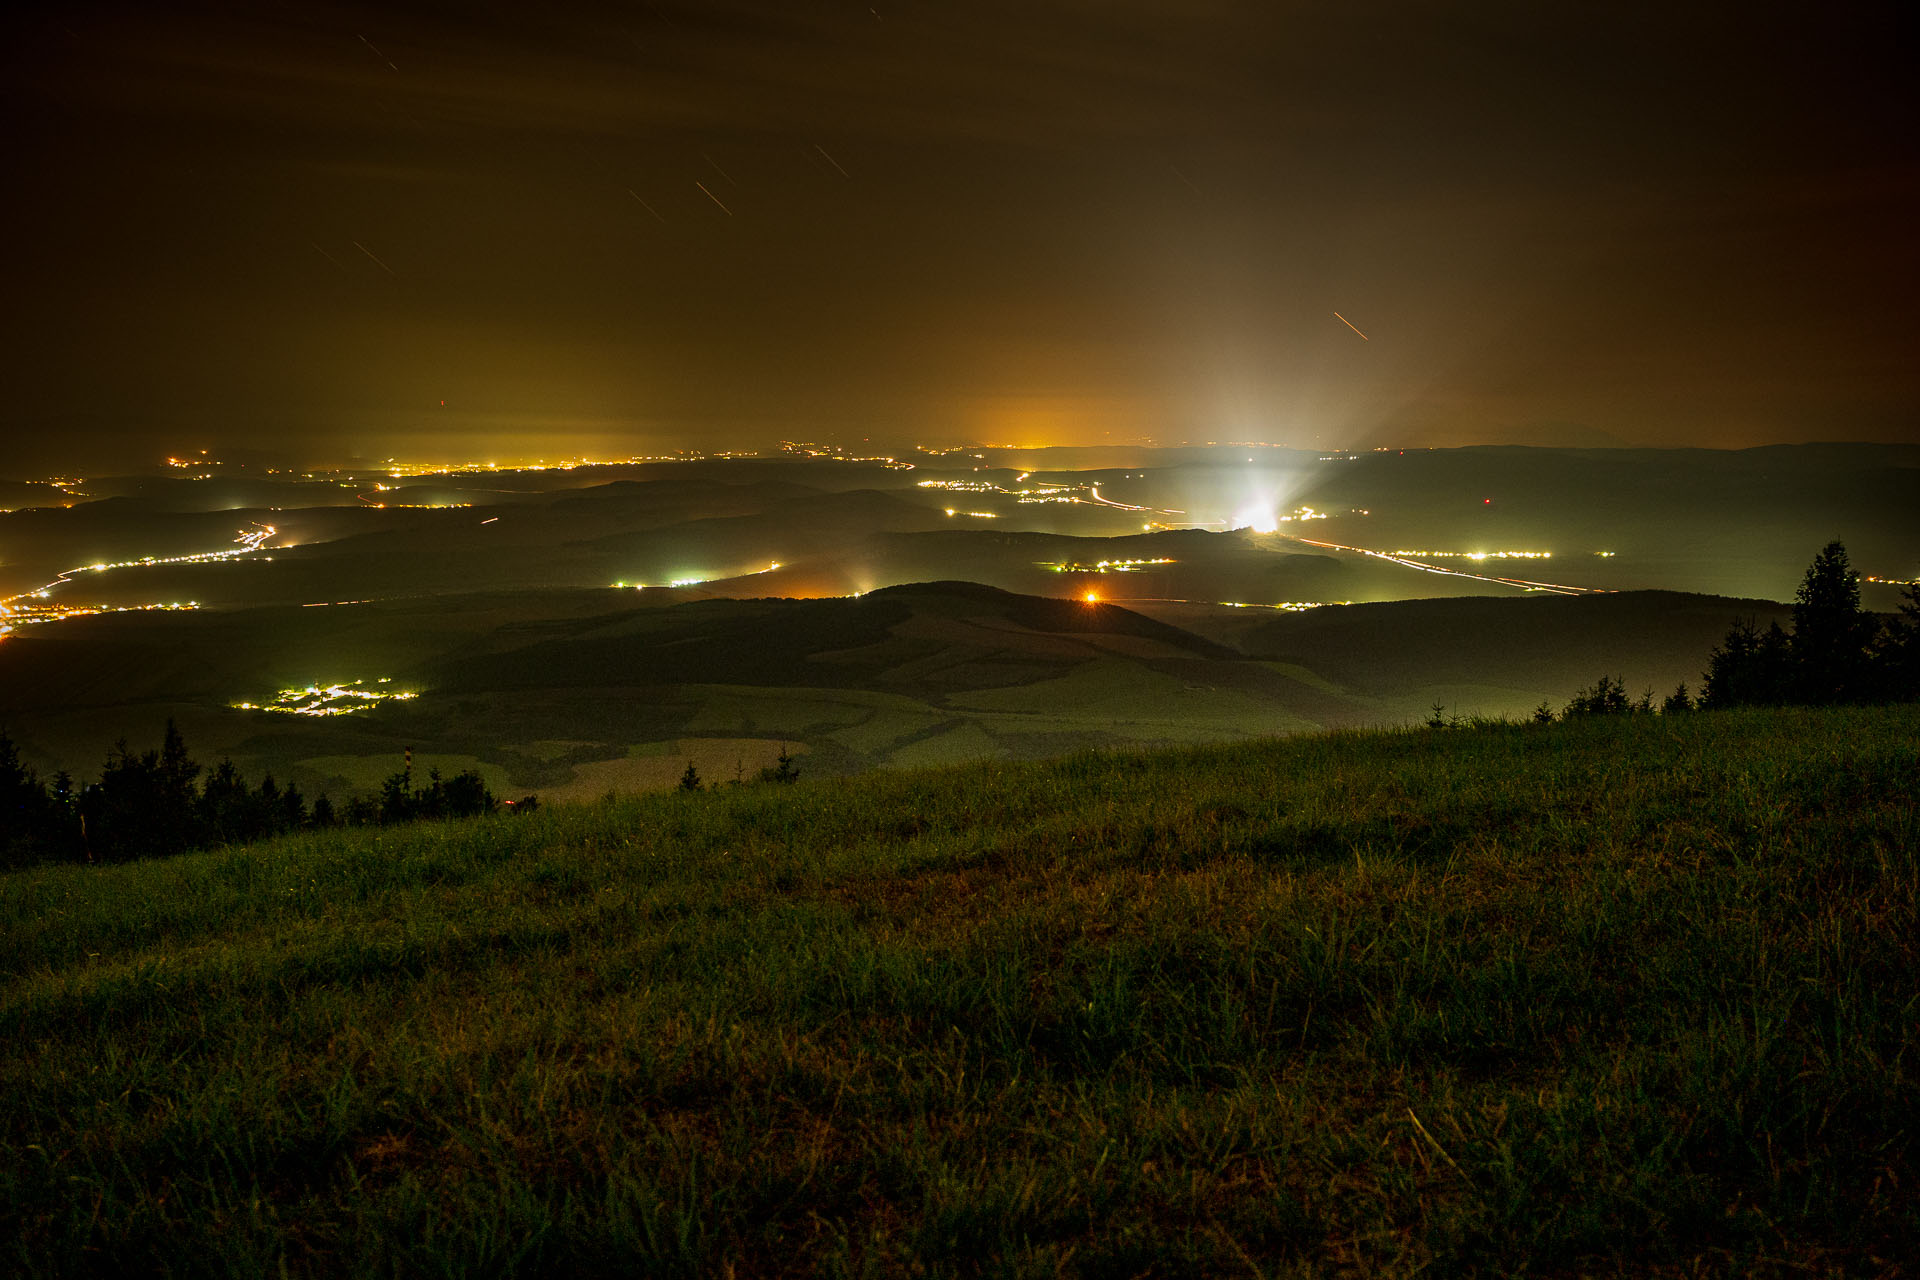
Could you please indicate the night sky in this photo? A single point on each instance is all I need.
(620, 228)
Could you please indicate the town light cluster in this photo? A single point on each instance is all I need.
(1102, 566)
(329, 700)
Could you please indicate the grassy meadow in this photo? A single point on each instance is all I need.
(1633, 995)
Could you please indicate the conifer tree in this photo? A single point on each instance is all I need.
(173, 821)
(223, 805)
(784, 771)
(292, 814)
(1832, 635)
(396, 802)
(1897, 654)
(24, 809)
(1606, 696)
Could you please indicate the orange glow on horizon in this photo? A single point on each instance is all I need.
(1044, 421)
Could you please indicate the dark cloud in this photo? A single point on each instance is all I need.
(730, 221)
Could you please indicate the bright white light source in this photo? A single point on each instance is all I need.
(1259, 519)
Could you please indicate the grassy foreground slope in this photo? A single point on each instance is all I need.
(1633, 994)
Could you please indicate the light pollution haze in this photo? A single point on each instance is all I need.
(399, 229)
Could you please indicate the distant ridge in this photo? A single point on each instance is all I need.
(782, 641)
(1647, 636)
(1052, 614)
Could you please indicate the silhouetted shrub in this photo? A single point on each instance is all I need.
(1607, 697)
(785, 771)
(465, 795)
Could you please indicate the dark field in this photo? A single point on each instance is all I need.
(1629, 995)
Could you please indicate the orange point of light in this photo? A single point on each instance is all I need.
(1093, 597)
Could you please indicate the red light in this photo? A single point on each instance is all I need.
(1486, 501)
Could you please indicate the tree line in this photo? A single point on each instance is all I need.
(1835, 654)
(156, 803)
(785, 771)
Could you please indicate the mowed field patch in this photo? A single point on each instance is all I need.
(1018, 729)
(1120, 697)
(554, 748)
(885, 727)
(1465, 700)
(1294, 671)
(958, 745)
(717, 760)
(751, 711)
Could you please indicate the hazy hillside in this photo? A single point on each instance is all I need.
(1652, 640)
(655, 534)
(928, 637)
(1178, 565)
(1730, 522)
(569, 691)
(1737, 523)
(1626, 994)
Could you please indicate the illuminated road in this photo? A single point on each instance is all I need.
(1524, 584)
(1094, 492)
(410, 506)
(13, 613)
(1061, 493)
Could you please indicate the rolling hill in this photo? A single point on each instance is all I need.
(534, 688)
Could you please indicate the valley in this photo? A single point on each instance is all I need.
(570, 631)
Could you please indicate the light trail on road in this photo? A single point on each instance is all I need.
(248, 544)
(1524, 584)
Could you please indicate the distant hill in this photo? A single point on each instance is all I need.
(537, 684)
(1171, 565)
(1654, 639)
(908, 638)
